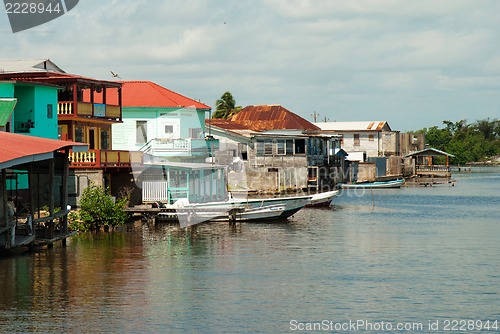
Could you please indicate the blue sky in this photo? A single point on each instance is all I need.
(411, 63)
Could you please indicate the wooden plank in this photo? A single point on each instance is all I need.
(56, 215)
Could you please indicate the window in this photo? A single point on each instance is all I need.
(141, 132)
(356, 139)
(260, 148)
(289, 147)
(300, 146)
(195, 133)
(371, 138)
(242, 150)
(79, 135)
(268, 147)
(104, 139)
(280, 144)
(49, 111)
(169, 129)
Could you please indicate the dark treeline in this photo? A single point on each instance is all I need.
(467, 142)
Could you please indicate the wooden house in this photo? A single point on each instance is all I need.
(45, 163)
(425, 169)
(279, 151)
(85, 110)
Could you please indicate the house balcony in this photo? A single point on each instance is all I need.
(189, 147)
(102, 159)
(70, 109)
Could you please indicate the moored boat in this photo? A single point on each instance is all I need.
(374, 185)
(252, 209)
(322, 199)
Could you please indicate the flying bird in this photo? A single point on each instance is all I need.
(115, 75)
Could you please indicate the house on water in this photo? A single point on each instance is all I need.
(75, 108)
(373, 147)
(168, 129)
(430, 166)
(45, 164)
(271, 149)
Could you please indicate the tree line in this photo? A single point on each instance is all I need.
(474, 142)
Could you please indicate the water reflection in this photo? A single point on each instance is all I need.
(417, 254)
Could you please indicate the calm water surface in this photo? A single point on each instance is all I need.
(398, 256)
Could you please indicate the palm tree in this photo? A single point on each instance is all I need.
(225, 107)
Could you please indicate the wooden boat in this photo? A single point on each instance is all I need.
(374, 185)
(322, 199)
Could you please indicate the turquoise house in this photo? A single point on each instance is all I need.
(29, 109)
(162, 123)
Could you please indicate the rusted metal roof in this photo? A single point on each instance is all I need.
(271, 117)
(225, 124)
(16, 149)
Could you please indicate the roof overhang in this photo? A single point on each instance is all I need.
(429, 152)
(16, 149)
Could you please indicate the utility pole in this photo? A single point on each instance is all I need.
(315, 116)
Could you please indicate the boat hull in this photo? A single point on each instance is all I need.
(323, 199)
(374, 185)
(261, 209)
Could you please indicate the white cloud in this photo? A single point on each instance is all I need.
(413, 63)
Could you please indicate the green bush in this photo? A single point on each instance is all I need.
(98, 209)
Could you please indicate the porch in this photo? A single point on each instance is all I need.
(71, 109)
(101, 159)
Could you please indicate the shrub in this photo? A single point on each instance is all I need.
(98, 209)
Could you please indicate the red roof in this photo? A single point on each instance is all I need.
(149, 94)
(271, 117)
(17, 149)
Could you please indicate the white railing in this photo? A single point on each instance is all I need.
(165, 146)
(89, 157)
(153, 191)
(65, 108)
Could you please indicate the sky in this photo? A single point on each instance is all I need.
(410, 63)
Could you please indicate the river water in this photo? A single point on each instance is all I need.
(411, 257)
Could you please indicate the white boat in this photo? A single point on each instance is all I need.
(276, 208)
(323, 199)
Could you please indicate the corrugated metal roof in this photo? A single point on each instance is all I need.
(16, 149)
(271, 117)
(149, 94)
(56, 78)
(28, 65)
(429, 152)
(354, 126)
(225, 124)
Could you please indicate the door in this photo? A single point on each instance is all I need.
(92, 140)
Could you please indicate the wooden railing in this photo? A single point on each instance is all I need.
(104, 159)
(433, 168)
(68, 108)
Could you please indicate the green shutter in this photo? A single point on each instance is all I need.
(6, 108)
